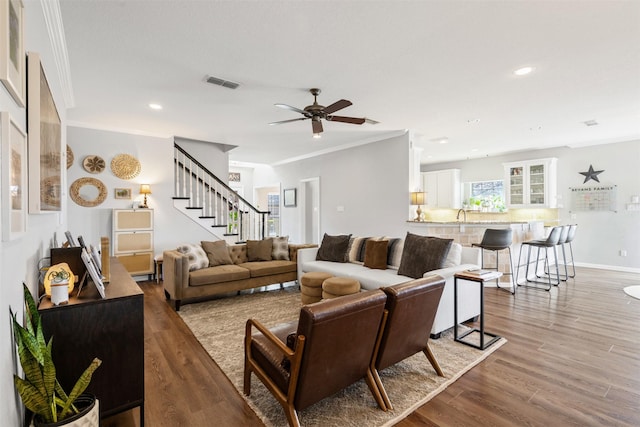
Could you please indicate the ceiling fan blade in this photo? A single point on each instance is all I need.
(352, 120)
(317, 126)
(338, 105)
(287, 121)
(371, 121)
(289, 107)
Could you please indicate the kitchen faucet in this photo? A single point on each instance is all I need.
(464, 215)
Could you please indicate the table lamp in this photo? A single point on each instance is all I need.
(145, 189)
(417, 199)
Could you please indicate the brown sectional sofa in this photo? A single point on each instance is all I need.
(183, 286)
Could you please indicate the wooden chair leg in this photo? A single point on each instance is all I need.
(432, 359)
(375, 391)
(383, 392)
(292, 415)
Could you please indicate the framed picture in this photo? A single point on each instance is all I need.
(289, 197)
(45, 142)
(122, 193)
(12, 58)
(93, 272)
(14, 178)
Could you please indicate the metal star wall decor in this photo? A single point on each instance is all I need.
(591, 174)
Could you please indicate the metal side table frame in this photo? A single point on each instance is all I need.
(459, 338)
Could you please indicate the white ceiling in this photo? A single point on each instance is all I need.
(438, 68)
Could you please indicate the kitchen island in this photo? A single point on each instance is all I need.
(468, 232)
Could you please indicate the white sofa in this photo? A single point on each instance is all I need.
(468, 292)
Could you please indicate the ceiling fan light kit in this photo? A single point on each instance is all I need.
(317, 112)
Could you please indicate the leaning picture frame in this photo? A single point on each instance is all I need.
(13, 172)
(45, 142)
(96, 278)
(12, 57)
(289, 197)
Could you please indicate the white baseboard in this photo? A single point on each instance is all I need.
(608, 267)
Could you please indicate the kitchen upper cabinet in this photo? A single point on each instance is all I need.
(532, 183)
(442, 188)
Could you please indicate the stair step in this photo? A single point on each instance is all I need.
(193, 207)
(180, 198)
(220, 225)
(230, 234)
(206, 217)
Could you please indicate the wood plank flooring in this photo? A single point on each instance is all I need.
(573, 359)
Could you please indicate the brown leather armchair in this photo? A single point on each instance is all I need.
(331, 347)
(412, 307)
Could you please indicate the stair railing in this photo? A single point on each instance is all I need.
(218, 202)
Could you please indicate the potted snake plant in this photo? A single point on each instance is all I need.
(39, 390)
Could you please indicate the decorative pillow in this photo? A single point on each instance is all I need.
(259, 250)
(217, 252)
(454, 257)
(423, 253)
(394, 253)
(334, 248)
(355, 253)
(197, 256)
(375, 254)
(280, 248)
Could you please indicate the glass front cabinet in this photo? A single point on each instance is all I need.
(531, 183)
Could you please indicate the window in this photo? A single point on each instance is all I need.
(487, 196)
(273, 206)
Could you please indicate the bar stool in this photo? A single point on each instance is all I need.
(570, 236)
(551, 242)
(497, 240)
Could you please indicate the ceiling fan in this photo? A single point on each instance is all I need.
(317, 112)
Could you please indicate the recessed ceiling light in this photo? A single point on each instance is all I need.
(474, 149)
(443, 141)
(523, 71)
(317, 135)
(473, 121)
(155, 106)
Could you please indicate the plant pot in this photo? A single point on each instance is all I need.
(89, 415)
(60, 292)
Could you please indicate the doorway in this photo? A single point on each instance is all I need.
(310, 212)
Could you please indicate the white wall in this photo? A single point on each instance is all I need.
(19, 258)
(156, 159)
(600, 235)
(371, 183)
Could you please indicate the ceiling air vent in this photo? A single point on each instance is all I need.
(222, 82)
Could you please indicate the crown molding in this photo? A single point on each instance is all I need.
(55, 28)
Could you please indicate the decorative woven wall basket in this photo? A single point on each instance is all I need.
(125, 166)
(93, 195)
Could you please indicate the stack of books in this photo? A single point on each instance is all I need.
(480, 273)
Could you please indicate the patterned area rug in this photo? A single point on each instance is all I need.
(219, 326)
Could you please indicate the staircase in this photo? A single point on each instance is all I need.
(212, 204)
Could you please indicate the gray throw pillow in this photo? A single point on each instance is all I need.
(334, 248)
(259, 250)
(423, 253)
(217, 252)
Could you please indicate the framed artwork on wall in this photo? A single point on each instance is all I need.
(289, 197)
(122, 193)
(45, 142)
(14, 178)
(12, 58)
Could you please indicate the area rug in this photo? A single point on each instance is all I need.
(219, 326)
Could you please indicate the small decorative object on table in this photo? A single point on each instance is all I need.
(58, 283)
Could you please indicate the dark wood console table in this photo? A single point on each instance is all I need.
(111, 329)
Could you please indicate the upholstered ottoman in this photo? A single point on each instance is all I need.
(338, 286)
(311, 286)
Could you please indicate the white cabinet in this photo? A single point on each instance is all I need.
(531, 184)
(133, 239)
(442, 188)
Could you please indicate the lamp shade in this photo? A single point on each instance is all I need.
(145, 189)
(417, 198)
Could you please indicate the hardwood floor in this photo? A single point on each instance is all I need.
(573, 358)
